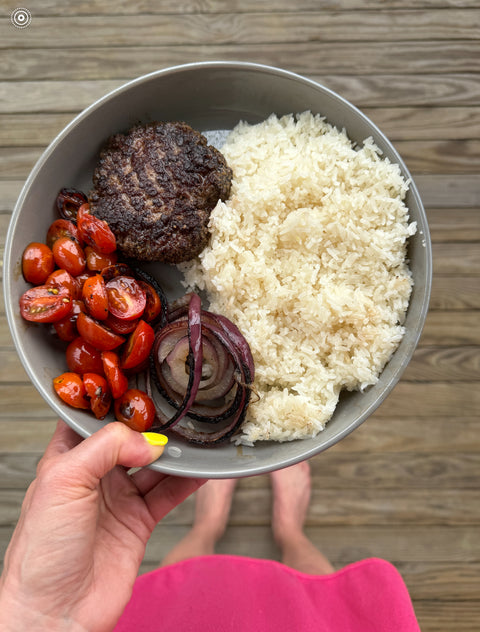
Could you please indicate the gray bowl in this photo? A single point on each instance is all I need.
(212, 97)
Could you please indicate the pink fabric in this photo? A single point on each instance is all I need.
(226, 593)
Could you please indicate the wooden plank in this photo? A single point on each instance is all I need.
(124, 7)
(9, 192)
(430, 364)
(456, 259)
(442, 581)
(246, 28)
(425, 400)
(439, 156)
(444, 616)
(459, 191)
(450, 329)
(26, 436)
(435, 435)
(427, 123)
(429, 57)
(408, 123)
(342, 543)
(332, 470)
(19, 129)
(354, 507)
(379, 90)
(454, 224)
(454, 293)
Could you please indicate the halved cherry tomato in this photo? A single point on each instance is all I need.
(138, 346)
(67, 327)
(69, 255)
(96, 334)
(135, 409)
(119, 325)
(69, 201)
(95, 296)
(153, 306)
(98, 393)
(116, 270)
(61, 228)
(116, 378)
(97, 261)
(82, 357)
(81, 278)
(126, 299)
(70, 388)
(94, 231)
(62, 278)
(44, 304)
(37, 263)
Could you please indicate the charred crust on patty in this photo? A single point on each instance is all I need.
(156, 186)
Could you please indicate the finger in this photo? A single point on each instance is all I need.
(114, 444)
(63, 439)
(146, 479)
(169, 493)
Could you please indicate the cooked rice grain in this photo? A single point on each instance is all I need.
(307, 257)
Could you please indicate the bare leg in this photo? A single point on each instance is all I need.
(212, 508)
(291, 498)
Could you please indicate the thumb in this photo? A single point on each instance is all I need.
(114, 444)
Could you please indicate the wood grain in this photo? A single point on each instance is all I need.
(404, 485)
(247, 28)
(427, 57)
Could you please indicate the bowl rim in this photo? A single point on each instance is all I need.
(231, 65)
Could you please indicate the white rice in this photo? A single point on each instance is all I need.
(307, 257)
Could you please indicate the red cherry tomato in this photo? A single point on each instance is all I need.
(61, 228)
(116, 379)
(82, 357)
(96, 334)
(95, 232)
(68, 202)
(44, 304)
(97, 261)
(98, 393)
(70, 388)
(37, 263)
(120, 326)
(67, 327)
(95, 296)
(153, 306)
(135, 409)
(62, 278)
(69, 255)
(138, 346)
(126, 299)
(116, 270)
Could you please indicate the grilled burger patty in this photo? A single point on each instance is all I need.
(156, 186)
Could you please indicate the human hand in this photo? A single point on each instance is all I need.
(82, 532)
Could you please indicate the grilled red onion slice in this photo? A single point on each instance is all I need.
(202, 365)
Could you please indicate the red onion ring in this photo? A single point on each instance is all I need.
(222, 396)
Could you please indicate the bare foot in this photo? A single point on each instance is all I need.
(212, 508)
(292, 488)
(212, 505)
(291, 498)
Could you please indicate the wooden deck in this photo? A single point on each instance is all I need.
(405, 486)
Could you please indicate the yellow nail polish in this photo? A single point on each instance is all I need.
(155, 438)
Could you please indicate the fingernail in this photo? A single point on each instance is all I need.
(155, 438)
